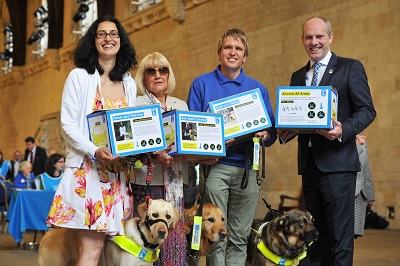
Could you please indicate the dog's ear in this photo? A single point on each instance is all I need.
(175, 218)
(282, 221)
(189, 219)
(142, 209)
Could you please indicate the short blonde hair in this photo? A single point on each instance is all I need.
(237, 34)
(22, 166)
(154, 60)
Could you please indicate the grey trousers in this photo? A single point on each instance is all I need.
(238, 205)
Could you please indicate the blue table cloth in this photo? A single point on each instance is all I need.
(28, 209)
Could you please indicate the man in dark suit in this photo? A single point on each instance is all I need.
(15, 164)
(36, 155)
(328, 161)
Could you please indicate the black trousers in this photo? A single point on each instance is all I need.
(329, 197)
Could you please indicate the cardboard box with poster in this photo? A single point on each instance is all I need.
(303, 109)
(128, 131)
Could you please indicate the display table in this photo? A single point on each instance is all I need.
(28, 209)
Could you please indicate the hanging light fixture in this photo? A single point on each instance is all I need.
(6, 56)
(41, 28)
(80, 17)
(35, 37)
(81, 14)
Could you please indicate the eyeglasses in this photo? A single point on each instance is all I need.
(161, 70)
(101, 34)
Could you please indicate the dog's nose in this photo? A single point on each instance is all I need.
(316, 235)
(161, 233)
(222, 234)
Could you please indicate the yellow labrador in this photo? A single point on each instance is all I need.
(58, 247)
(146, 233)
(149, 232)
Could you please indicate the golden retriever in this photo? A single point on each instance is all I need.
(60, 246)
(212, 228)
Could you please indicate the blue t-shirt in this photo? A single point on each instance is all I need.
(213, 86)
(47, 182)
(4, 168)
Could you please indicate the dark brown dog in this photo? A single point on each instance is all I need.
(286, 236)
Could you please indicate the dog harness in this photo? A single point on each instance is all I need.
(272, 256)
(135, 249)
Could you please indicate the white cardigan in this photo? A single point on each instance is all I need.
(77, 102)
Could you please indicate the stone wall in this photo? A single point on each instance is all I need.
(363, 29)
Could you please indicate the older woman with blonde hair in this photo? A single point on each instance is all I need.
(155, 80)
(25, 177)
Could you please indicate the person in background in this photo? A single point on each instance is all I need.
(36, 155)
(15, 163)
(50, 179)
(122, 131)
(328, 161)
(94, 196)
(25, 177)
(223, 186)
(364, 187)
(186, 132)
(155, 81)
(5, 169)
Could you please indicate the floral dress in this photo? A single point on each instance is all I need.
(173, 250)
(94, 196)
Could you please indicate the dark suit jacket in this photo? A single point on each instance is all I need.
(40, 160)
(355, 112)
(10, 174)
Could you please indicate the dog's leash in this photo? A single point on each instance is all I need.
(194, 238)
(245, 178)
(256, 166)
(148, 180)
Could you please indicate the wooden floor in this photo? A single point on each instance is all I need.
(376, 248)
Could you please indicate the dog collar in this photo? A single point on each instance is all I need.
(135, 249)
(277, 259)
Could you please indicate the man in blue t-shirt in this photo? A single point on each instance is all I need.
(223, 185)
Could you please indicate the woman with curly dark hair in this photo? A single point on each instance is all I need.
(94, 195)
(87, 55)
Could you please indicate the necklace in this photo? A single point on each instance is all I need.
(152, 97)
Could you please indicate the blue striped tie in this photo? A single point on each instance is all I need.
(314, 83)
(315, 75)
